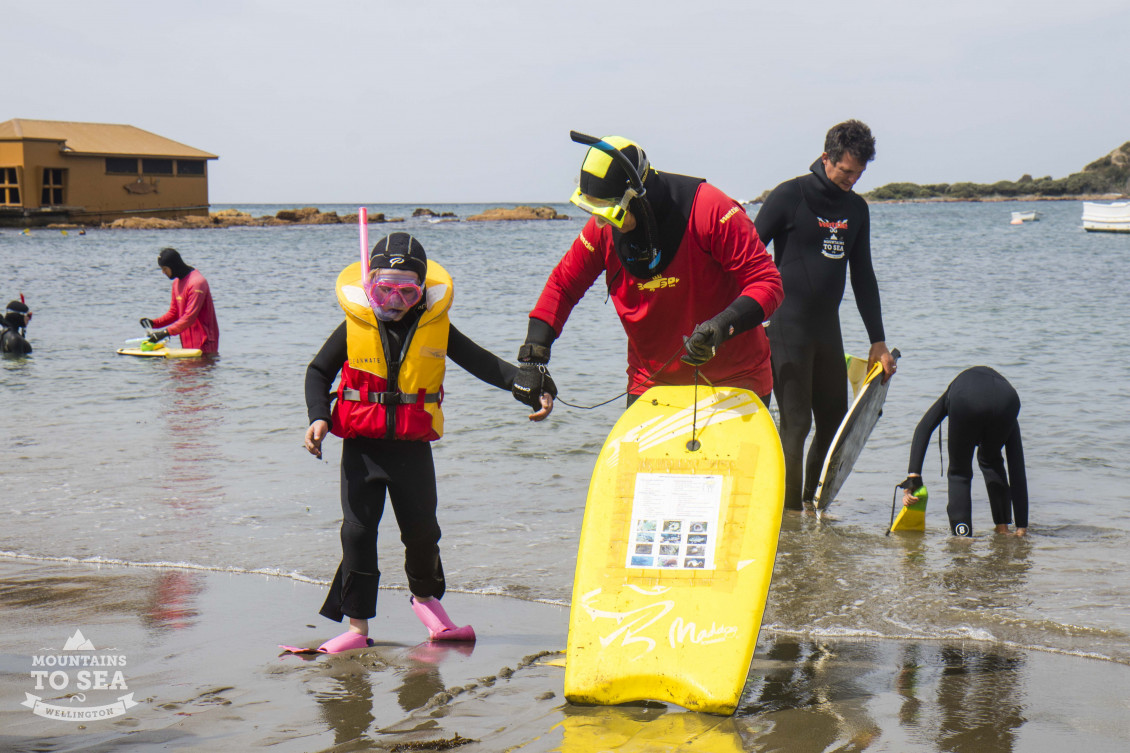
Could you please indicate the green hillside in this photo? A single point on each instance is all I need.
(1108, 175)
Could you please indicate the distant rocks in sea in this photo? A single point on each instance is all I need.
(314, 216)
(430, 214)
(518, 213)
(237, 218)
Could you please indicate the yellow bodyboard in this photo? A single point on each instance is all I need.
(677, 551)
(856, 373)
(162, 352)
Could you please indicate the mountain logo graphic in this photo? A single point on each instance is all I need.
(78, 642)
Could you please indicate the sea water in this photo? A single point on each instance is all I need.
(107, 458)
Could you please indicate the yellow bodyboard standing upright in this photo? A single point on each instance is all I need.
(677, 551)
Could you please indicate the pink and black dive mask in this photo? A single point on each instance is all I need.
(397, 258)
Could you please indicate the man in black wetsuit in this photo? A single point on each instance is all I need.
(820, 229)
(982, 407)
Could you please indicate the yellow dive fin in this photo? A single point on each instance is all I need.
(913, 517)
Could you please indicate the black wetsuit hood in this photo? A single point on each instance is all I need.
(170, 257)
(823, 196)
(670, 198)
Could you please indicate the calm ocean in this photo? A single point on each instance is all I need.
(147, 461)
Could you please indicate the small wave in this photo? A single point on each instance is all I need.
(265, 571)
(164, 565)
(964, 634)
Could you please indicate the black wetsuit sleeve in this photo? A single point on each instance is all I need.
(864, 284)
(773, 217)
(539, 332)
(1017, 478)
(743, 314)
(924, 430)
(320, 375)
(478, 361)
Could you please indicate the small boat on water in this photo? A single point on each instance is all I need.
(1110, 218)
(1019, 218)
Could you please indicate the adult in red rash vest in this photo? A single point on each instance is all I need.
(191, 313)
(690, 279)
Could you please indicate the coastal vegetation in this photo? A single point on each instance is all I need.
(1105, 177)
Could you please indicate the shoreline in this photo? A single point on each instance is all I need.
(306, 216)
(1002, 199)
(227, 218)
(200, 671)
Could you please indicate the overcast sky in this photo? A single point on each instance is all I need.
(446, 101)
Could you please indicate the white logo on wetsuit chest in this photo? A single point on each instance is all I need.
(833, 246)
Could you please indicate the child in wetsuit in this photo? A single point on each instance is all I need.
(391, 353)
(982, 407)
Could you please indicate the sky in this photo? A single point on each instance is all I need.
(444, 101)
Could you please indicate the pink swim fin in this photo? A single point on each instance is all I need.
(439, 625)
(347, 641)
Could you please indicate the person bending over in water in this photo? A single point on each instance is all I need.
(982, 407)
(191, 313)
(391, 352)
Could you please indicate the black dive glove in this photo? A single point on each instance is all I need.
(146, 322)
(704, 340)
(912, 484)
(158, 336)
(533, 377)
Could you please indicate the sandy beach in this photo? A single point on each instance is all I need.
(203, 672)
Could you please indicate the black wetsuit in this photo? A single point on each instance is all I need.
(403, 469)
(13, 341)
(982, 407)
(819, 232)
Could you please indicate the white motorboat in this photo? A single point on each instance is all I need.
(1110, 218)
(1019, 218)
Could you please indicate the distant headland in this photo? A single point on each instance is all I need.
(1106, 178)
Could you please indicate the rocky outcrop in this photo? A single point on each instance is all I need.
(236, 218)
(425, 212)
(518, 213)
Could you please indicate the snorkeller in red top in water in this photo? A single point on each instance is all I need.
(191, 313)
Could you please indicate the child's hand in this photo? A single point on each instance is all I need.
(546, 401)
(314, 436)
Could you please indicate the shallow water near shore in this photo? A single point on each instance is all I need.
(199, 465)
(204, 674)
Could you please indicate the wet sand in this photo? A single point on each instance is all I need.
(205, 673)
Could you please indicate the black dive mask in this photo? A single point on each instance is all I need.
(638, 250)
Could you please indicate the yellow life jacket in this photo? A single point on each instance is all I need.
(406, 404)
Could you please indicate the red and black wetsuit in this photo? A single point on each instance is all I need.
(711, 259)
(982, 407)
(819, 233)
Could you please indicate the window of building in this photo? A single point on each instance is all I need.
(9, 186)
(190, 167)
(151, 166)
(121, 165)
(54, 179)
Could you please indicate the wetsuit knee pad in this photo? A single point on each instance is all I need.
(356, 537)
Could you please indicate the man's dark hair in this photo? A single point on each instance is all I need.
(851, 136)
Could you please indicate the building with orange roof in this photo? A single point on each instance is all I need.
(56, 172)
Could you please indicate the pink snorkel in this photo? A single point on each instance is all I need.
(363, 221)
